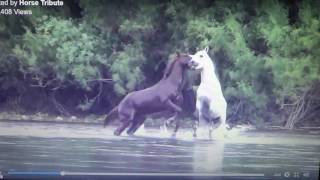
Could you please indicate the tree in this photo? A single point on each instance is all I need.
(94, 53)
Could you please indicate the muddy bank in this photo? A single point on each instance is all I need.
(89, 119)
(43, 117)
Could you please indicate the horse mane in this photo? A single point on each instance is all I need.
(169, 68)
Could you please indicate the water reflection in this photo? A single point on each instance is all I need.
(59, 147)
(208, 157)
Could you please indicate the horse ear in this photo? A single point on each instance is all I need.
(206, 49)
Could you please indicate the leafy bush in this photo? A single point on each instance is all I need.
(61, 53)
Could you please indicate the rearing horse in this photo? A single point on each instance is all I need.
(211, 104)
(160, 97)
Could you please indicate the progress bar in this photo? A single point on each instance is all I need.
(39, 173)
(163, 174)
(68, 173)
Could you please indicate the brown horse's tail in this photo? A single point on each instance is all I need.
(110, 116)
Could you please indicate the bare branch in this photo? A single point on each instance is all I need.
(102, 80)
(58, 106)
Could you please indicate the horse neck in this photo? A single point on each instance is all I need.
(176, 75)
(208, 76)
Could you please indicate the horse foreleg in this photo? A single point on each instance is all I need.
(173, 106)
(176, 128)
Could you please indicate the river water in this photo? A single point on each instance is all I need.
(75, 148)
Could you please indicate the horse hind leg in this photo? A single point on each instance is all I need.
(119, 130)
(138, 121)
(212, 125)
(179, 101)
(125, 122)
(219, 130)
(202, 111)
(169, 121)
(176, 127)
(202, 121)
(195, 127)
(222, 122)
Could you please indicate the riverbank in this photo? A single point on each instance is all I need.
(98, 119)
(89, 119)
(43, 117)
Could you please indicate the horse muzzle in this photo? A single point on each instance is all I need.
(193, 64)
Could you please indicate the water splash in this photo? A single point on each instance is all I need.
(241, 134)
(187, 134)
(141, 130)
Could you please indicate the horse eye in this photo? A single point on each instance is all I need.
(201, 56)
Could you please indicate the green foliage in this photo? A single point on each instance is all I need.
(126, 70)
(10, 76)
(293, 55)
(61, 52)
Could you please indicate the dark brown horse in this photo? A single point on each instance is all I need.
(163, 96)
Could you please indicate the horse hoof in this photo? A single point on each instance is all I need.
(173, 135)
(116, 133)
(130, 133)
(194, 135)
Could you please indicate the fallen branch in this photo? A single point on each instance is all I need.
(304, 106)
(58, 106)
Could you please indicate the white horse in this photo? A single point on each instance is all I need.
(211, 104)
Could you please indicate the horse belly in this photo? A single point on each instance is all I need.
(151, 108)
(217, 106)
(148, 104)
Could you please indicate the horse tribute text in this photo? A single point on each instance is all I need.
(24, 7)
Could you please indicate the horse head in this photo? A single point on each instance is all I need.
(200, 59)
(181, 60)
